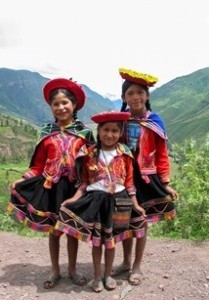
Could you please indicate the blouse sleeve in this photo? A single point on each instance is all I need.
(162, 160)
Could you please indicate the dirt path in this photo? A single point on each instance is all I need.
(173, 270)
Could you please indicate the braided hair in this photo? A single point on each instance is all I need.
(126, 84)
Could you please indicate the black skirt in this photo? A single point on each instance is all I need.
(38, 207)
(90, 219)
(153, 197)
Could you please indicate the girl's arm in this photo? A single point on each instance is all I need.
(137, 206)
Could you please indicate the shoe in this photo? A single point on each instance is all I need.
(51, 282)
(135, 278)
(78, 279)
(110, 283)
(96, 285)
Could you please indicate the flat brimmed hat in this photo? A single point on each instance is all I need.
(64, 83)
(110, 116)
(138, 78)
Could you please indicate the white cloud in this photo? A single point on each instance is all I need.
(90, 40)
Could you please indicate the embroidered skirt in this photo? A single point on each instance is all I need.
(38, 207)
(153, 197)
(90, 219)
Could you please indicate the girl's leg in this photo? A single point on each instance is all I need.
(97, 284)
(109, 282)
(72, 250)
(97, 259)
(139, 251)
(54, 246)
(125, 266)
(109, 258)
(127, 253)
(136, 274)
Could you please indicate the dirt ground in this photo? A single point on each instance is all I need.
(172, 270)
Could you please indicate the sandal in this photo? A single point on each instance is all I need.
(51, 282)
(135, 278)
(96, 285)
(110, 283)
(120, 270)
(78, 279)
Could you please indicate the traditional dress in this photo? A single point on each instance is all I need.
(52, 176)
(147, 139)
(104, 177)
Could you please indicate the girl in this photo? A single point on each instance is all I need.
(51, 178)
(146, 137)
(106, 176)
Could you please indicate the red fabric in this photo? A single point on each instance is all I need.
(55, 155)
(121, 169)
(153, 157)
(111, 116)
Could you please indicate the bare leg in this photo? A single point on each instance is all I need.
(127, 253)
(72, 250)
(54, 246)
(97, 259)
(136, 275)
(109, 282)
(109, 258)
(139, 251)
(125, 266)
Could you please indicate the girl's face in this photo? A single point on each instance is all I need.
(109, 134)
(62, 109)
(136, 98)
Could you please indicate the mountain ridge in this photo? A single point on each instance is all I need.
(183, 103)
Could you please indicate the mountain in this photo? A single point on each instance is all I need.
(21, 95)
(183, 103)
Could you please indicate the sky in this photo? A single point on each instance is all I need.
(89, 40)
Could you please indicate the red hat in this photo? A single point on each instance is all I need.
(63, 83)
(138, 78)
(110, 116)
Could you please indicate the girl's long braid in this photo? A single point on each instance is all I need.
(123, 107)
(98, 147)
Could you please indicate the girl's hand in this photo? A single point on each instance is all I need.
(172, 192)
(16, 182)
(137, 206)
(69, 201)
(139, 209)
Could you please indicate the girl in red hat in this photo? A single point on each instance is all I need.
(107, 175)
(146, 137)
(51, 178)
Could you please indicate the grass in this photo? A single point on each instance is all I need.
(8, 174)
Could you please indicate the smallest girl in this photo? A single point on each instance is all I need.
(107, 174)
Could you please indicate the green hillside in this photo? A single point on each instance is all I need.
(183, 103)
(17, 139)
(21, 96)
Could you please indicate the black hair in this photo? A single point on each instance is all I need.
(126, 84)
(68, 94)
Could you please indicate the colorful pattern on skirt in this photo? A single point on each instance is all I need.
(37, 207)
(89, 219)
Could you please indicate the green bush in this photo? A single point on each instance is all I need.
(192, 184)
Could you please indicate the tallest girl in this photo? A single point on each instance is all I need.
(146, 137)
